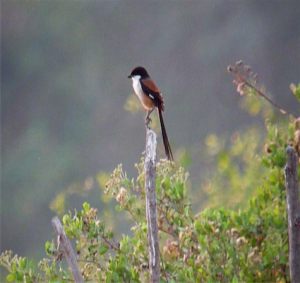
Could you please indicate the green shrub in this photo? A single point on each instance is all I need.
(235, 241)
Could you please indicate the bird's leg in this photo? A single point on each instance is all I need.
(147, 118)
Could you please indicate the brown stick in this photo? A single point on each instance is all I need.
(293, 210)
(151, 213)
(259, 92)
(67, 250)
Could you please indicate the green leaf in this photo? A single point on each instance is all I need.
(11, 277)
(49, 248)
(86, 207)
(295, 90)
(23, 263)
(66, 219)
(103, 249)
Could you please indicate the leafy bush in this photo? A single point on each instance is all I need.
(218, 244)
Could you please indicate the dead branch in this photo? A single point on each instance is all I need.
(151, 212)
(293, 210)
(245, 78)
(65, 247)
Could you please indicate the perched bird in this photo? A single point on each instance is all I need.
(150, 97)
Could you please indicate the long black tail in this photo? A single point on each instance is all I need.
(165, 137)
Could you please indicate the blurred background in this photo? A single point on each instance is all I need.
(64, 85)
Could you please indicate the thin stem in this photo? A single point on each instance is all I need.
(110, 244)
(259, 92)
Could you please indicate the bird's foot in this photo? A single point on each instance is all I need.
(148, 120)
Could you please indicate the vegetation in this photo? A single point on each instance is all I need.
(247, 243)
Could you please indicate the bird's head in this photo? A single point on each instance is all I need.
(139, 72)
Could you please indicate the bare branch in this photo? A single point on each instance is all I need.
(111, 244)
(151, 213)
(259, 92)
(244, 78)
(293, 210)
(65, 246)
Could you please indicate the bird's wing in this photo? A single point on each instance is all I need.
(150, 89)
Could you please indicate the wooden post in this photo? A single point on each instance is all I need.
(151, 213)
(293, 210)
(67, 250)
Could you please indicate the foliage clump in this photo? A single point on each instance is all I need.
(218, 244)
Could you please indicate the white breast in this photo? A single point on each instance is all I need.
(137, 87)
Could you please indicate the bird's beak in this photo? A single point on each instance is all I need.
(129, 77)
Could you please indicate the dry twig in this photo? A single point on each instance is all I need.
(293, 211)
(65, 246)
(151, 212)
(245, 78)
